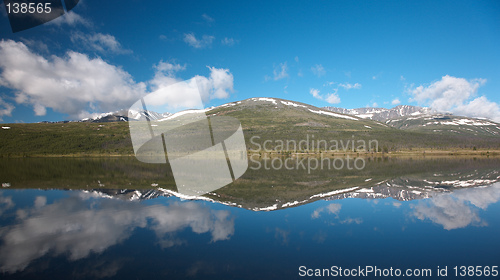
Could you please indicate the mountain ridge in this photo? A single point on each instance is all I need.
(383, 114)
(262, 119)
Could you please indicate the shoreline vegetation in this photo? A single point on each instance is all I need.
(112, 139)
(263, 155)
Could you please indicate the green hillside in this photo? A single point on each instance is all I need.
(268, 119)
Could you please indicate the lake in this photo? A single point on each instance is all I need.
(117, 218)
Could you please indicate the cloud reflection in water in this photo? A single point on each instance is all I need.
(458, 209)
(80, 225)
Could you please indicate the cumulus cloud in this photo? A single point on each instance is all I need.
(456, 210)
(205, 41)
(91, 226)
(331, 98)
(456, 95)
(5, 108)
(395, 101)
(81, 86)
(103, 43)
(318, 70)
(218, 85)
(72, 84)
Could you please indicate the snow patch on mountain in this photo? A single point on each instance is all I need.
(333, 114)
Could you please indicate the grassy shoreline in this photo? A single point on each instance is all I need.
(113, 140)
(423, 153)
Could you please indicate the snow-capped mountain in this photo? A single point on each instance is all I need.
(383, 114)
(143, 115)
(125, 115)
(449, 124)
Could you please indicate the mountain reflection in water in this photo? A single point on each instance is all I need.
(274, 221)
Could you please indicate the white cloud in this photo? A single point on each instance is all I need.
(5, 108)
(218, 85)
(280, 71)
(349, 86)
(205, 41)
(331, 98)
(296, 59)
(207, 18)
(456, 95)
(91, 226)
(318, 70)
(168, 69)
(395, 101)
(315, 93)
(71, 84)
(39, 109)
(374, 104)
(402, 78)
(228, 41)
(70, 18)
(103, 43)
(80, 86)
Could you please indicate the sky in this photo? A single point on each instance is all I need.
(103, 57)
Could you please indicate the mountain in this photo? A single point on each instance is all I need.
(446, 124)
(123, 115)
(383, 114)
(262, 118)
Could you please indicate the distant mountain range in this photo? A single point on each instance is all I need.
(408, 117)
(405, 117)
(408, 128)
(383, 114)
(123, 115)
(377, 114)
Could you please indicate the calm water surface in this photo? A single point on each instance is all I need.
(87, 219)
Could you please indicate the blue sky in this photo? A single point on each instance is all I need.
(350, 54)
